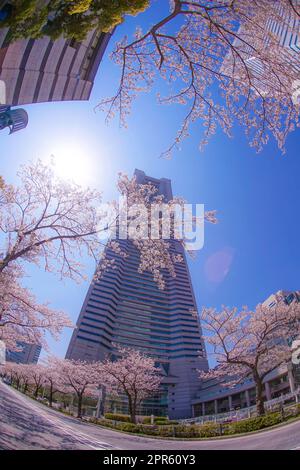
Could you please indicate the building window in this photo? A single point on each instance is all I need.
(75, 44)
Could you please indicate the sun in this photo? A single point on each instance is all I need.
(71, 161)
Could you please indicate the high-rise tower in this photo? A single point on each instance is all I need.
(127, 308)
(28, 354)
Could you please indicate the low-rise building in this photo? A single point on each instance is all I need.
(42, 70)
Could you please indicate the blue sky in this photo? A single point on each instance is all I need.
(254, 249)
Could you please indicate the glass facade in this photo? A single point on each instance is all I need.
(29, 354)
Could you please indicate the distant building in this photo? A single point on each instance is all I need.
(126, 307)
(29, 355)
(282, 295)
(41, 70)
(13, 119)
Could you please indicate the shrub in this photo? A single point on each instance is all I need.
(148, 429)
(147, 420)
(166, 431)
(64, 411)
(103, 422)
(161, 420)
(184, 431)
(117, 417)
(208, 430)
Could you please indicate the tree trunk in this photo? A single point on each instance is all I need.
(50, 395)
(260, 407)
(36, 391)
(79, 406)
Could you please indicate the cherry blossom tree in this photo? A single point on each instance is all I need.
(48, 220)
(25, 376)
(36, 377)
(22, 318)
(52, 222)
(133, 374)
(155, 255)
(14, 372)
(249, 344)
(79, 377)
(223, 61)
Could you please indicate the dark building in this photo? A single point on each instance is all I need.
(29, 355)
(127, 308)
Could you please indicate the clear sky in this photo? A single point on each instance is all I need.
(254, 249)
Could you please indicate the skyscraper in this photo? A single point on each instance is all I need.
(29, 355)
(40, 70)
(125, 307)
(284, 31)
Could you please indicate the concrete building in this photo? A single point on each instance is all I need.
(42, 70)
(125, 307)
(214, 397)
(29, 355)
(285, 32)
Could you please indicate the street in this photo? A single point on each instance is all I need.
(26, 424)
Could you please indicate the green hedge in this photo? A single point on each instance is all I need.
(158, 422)
(208, 430)
(128, 427)
(103, 422)
(253, 424)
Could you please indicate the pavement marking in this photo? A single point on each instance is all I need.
(82, 438)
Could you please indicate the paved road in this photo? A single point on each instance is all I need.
(25, 424)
